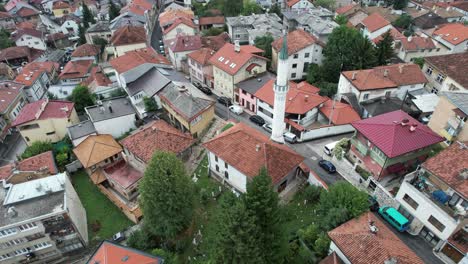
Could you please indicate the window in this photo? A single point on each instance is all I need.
(217, 168)
(429, 70)
(27, 226)
(440, 78)
(27, 127)
(410, 201)
(50, 133)
(225, 165)
(366, 96)
(294, 66)
(7, 232)
(306, 67)
(295, 56)
(226, 175)
(387, 94)
(436, 223)
(306, 55)
(293, 75)
(216, 158)
(434, 90)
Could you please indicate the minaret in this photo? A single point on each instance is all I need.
(281, 89)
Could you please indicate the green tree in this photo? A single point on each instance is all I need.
(309, 234)
(141, 240)
(118, 92)
(400, 4)
(166, 196)
(62, 159)
(212, 31)
(150, 104)
(81, 35)
(261, 202)
(114, 11)
(340, 148)
(264, 43)
(341, 19)
(88, 17)
(169, 257)
(419, 61)
(364, 53)
(327, 88)
(36, 148)
(251, 7)
(5, 41)
(81, 97)
(334, 217)
(276, 8)
(102, 43)
(384, 49)
(314, 74)
(322, 244)
(329, 4)
(404, 21)
(232, 8)
(344, 195)
(2, 8)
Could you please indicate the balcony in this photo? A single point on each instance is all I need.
(363, 149)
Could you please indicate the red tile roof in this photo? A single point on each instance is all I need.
(95, 149)
(297, 40)
(374, 22)
(112, 253)
(33, 70)
(34, 163)
(339, 113)
(26, 12)
(184, 43)
(60, 5)
(44, 109)
(8, 92)
(231, 61)
(202, 55)
(156, 136)
(345, 8)
(216, 42)
(455, 33)
(416, 43)
(56, 36)
(86, 50)
(331, 259)
(392, 138)
(138, 7)
(136, 58)
(361, 246)
(169, 16)
(98, 77)
(12, 53)
(76, 69)
(448, 166)
(4, 15)
(177, 22)
(301, 97)
(128, 35)
(26, 31)
(248, 150)
(397, 75)
(123, 173)
(463, 5)
(291, 3)
(211, 20)
(393, 32)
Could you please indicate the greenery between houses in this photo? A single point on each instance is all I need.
(364, 173)
(150, 104)
(81, 97)
(5, 40)
(227, 126)
(341, 147)
(114, 10)
(264, 43)
(36, 148)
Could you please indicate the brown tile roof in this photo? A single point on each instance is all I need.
(448, 166)
(202, 55)
(60, 5)
(235, 60)
(136, 58)
(416, 43)
(35, 163)
(26, 25)
(177, 22)
(397, 75)
(339, 113)
(459, 240)
(4, 15)
(128, 35)
(183, 43)
(297, 40)
(361, 246)
(211, 20)
(393, 32)
(96, 148)
(26, 31)
(86, 50)
(374, 22)
(463, 5)
(56, 36)
(33, 70)
(98, 77)
(43, 110)
(168, 17)
(454, 65)
(345, 9)
(76, 69)
(216, 42)
(8, 92)
(156, 136)
(12, 53)
(26, 12)
(248, 150)
(455, 33)
(331, 259)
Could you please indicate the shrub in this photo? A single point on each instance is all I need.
(226, 127)
(364, 174)
(312, 193)
(62, 159)
(36, 148)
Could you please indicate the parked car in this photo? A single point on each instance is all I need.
(328, 148)
(327, 165)
(202, 88)
(257, 120)
(236, 109)
(120, 236)
(373, 204)
(395, 218)
(268, 127)
(290, 137)
(224, 101)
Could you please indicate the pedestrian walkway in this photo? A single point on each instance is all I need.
(346, 169)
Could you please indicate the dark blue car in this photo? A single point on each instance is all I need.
(328, 166)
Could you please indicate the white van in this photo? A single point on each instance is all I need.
(290, 137)
(328, 149)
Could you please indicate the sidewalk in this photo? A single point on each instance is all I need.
(346, 169)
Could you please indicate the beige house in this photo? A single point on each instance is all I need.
(128, 38)
(180, 27)
(45, 120)
(446, 72)
(233, 64)
(450, 116)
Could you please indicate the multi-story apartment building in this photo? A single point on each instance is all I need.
(200, 70)
(42, 221)
(14, 100)
(446, 72)
(450, 38)
(239, 27)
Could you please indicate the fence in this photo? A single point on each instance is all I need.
(326, 132)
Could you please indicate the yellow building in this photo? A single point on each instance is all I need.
(60, 8)
(186, 112)
(449, 117)
(128, 38)
(45, 120)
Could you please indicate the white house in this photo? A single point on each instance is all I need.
(200, 70)
(70, 25)
(408, 48)
(180, 47)
(299, 4)
(303, 50)
(30, 38)
(374, 25)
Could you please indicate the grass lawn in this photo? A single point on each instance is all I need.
(98, 208)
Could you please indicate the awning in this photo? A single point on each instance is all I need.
(251, 67)
(294, 124)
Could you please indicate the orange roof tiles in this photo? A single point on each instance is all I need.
(448, 166)
(35, 163)
(291, 3)
(33, 70)
(43, 110)
(60, 5)
(248, 150)
(345, 8)
(301, 97)
(111, 253)
(202, 56)
(135, 58)
(230, 61)
(455, 33)
(297, 40)
(95, 149)
(339, 113)
(76, 69)
(361, 246)
(177, 22)
(128, 35)
(397, 75)
(393, 32)
(167, 17)
(416, 43)
(98, 77)
(86, 50)
(374, 22)
(211, 20)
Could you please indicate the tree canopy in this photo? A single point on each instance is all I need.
(114, 10)
(81, 35)
(5, 41)
(264, 43)
(404, 21)
(36, 148)
(400, 4)
(88, 17)
(251, 7)
(81, 97)
(384, 49)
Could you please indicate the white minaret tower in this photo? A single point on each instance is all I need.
(281, 89)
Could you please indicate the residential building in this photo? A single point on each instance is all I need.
(337, 113)
(233, 64)
(99, 30)
(249, 87)
(216, 42)
(428, 21)
(449, 117)
(140, 146)
(394, 80)
(128, 38)
(102, 158)
(45, 120)
(352, 240)
(409, 48)
(24, 12)
(180, 47)
(317, 22)
(6, 72)
(70, 24)
(303, 49)
(448, 13)
(461, 7)
(100, 84)
(114, 116)
(19, 56)
(30, 38)
(299, 4)
(47, 24)
(86, 52)
(238, 154)
(7, 21)
(58, 41)
(125, 19)
(211, 21)
(180, 26)
(60, 8)
(452, 38)
(14, 100)
(79, 132)
(201, 71)
(43, 221)
(374, 26)
(110, 252)
(238, 27)
(76, 71)
(446, 72)
(391, 144)
(186, 112)
(32, 168)
(435, 199)
(36, 78)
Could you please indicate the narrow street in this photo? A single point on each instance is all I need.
(13, 146)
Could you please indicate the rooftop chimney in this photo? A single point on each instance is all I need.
(372, 228)
(413, 127)
(404, 122)
(237, 46)
(306, 98)
(410, 38)
(400, 68)
(257, 147)
(354, 76)
(385, 73)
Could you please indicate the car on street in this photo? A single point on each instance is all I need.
(202, 88)
(290, 137)
(224, 101)
(236, 109)
(327, 165)
(257, 120)
(120, 236)
(268, 127)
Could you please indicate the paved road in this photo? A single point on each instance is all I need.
(157, 33)
(13, 146)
